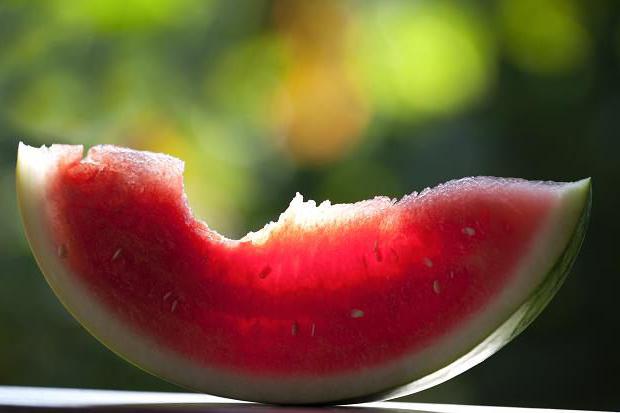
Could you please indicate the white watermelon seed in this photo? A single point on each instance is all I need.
(294, 328)
(428, 262)
(167, 295)
(174, 306)
(117, 253)
(62, 251)
(469, 231)
(312, 329)
(436, 287)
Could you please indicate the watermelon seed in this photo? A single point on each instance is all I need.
(377, 251)
(428, 262)
(355, 313)
(469, 231)
(62, 251)
(167, 295)
(174, 306)
(264, 272)
(451, 274)
(116, 254)
(436, 287)
(312, 329)
(294, 328)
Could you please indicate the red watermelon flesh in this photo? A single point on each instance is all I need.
(330, 303)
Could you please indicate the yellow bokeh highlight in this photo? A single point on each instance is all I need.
(318, 110)
(319, 114)
(544, 36)
(423, 58)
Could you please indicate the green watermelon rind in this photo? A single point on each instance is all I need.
(483, 337)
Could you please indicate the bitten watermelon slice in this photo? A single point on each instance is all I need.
(330, 304)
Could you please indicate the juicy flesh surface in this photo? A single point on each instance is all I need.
(308, 295)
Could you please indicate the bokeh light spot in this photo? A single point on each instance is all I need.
(544, 36)
(318, 110)
(423, 57)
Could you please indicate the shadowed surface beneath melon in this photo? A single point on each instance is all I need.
(305, 296)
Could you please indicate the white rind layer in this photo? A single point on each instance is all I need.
(448, 356)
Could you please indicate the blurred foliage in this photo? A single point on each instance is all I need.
(545, 36)
(423, 58)
(341, 100)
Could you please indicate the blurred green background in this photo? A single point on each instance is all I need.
(340, 101)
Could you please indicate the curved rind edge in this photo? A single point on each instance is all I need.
(520, 319)
(142, 353)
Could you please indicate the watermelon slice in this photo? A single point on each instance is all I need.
(330, 304)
